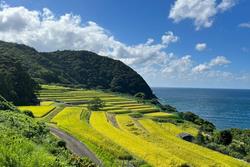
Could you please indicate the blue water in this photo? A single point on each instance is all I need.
(226, 108)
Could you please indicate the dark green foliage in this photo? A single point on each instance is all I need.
(140, 96)
(233, 142)
(29, 113)
(167, 108)
(224, 137)
(154, 101)
(185, 165)
(82, 162)
(247, 158)
(15, 83)
(95, 104)
(169, 120)
(126, 157)
(163, 107)
(189, 116)
(207, 126)
(204, 125)
(61, 143)
(82, 68)
(135, 115)
(5, 105)
(200, 139)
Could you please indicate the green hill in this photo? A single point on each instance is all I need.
(15, 83)
(81, 68)
(28, 143)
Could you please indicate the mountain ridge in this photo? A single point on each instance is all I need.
(83, 68)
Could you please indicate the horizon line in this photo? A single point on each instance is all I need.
(198, 88)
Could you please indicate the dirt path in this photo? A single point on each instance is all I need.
(75, 145)
(112, 119)
(137, 123)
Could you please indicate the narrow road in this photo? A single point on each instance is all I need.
(75, 145)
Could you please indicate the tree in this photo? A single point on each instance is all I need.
(200, 138)
(139, 96)
(16, 85)
(95, 104)
(224, 137)
(247, 158)
(189, 116)
(168, 108)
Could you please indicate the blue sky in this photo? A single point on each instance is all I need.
(206, 43)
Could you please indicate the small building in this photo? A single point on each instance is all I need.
(186, 136)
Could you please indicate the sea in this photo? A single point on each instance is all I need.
(225, 108)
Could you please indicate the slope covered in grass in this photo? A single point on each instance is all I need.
(27, 143)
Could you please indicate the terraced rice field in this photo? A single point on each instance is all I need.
(74, 120)
(46, 103)
(137, 146)
(38, 111)
(159, 115)
(115, 136)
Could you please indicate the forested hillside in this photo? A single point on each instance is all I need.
(15, 83)
(82, 68)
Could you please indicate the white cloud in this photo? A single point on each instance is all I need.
(226, 4)
(218, 61)
(245, 25)
(201, 11)
(45, 31)
(201, 68)
(177, 66)
(201, 46)
(169, 37)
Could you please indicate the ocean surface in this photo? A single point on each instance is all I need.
(226, 108)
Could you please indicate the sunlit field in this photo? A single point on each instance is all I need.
(38, 111)
(114, 135)
(74, 120)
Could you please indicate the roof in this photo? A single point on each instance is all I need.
(183, 135)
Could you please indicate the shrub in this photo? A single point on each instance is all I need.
(81, 162)
(5, 105)
(200, 138)
(205, 126)
(136, 115)
(168, 108)
(154, 101)
(126, 157)
(61, 143)
(96, 104)
(185, 165)
(140, 96)
(247, 158)
(29, 113)
(224, 137)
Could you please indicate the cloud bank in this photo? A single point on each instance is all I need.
(45, 31)
(202, 12)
